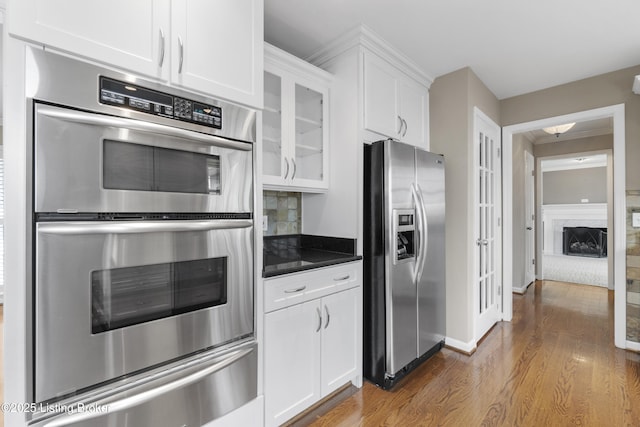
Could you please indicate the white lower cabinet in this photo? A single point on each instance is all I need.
(312, 348)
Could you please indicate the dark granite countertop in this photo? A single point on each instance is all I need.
(299, 252)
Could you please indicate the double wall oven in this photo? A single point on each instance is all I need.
(142, 301)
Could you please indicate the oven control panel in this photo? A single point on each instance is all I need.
(134, 97)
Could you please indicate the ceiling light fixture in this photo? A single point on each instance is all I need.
(557, 130)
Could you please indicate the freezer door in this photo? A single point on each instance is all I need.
(400, 292)
(431, 272)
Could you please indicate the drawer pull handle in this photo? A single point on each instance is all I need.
(326, 309)
(293, 291)
(337, 279)
(319, 319)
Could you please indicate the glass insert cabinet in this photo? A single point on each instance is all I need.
(295, 135)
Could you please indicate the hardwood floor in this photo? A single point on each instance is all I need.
(554, 365)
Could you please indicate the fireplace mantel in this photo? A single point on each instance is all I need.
(555, 217)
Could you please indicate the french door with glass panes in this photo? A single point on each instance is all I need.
(488, 231)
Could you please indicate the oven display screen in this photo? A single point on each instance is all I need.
(135, 97)
(131, 295)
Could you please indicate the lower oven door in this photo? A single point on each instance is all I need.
(114, 298)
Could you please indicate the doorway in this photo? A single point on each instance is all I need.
(617, 251)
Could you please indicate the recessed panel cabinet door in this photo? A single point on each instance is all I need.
(217, 48)
(414, 109)
(131, 35)
(291, 352)
(381, 113)
(339, 339)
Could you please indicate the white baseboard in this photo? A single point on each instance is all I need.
(468, 347)
(631, 345)
(520, 291)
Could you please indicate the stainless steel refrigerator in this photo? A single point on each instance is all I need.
(404, 259)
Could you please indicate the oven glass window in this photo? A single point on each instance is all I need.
(129, 166)
(131, 295)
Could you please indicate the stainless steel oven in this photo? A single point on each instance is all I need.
(143, 231)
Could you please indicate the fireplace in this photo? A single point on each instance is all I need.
(584, 241)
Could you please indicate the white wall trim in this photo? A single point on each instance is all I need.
(631, 345)
(578, 212)
(519, 290)
(619, 202)
(465, 347)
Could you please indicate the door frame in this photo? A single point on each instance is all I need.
(617, 112)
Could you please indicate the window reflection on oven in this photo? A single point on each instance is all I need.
(131, 295)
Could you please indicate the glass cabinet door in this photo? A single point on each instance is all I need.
(309, 139)
(272, 126)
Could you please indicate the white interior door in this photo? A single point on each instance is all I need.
(488, 231)
(530, 219)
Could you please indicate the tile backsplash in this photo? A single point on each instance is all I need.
(284, 212)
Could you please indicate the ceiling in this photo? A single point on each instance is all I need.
(579, 130)
(514, 47)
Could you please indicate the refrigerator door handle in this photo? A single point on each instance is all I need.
(419, 221)
(422, 232)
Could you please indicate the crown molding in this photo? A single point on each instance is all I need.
(363, 36)
(292, 64)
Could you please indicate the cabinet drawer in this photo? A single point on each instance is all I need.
(296, 288)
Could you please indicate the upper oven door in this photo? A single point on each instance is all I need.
(117, 297)
(117, 164)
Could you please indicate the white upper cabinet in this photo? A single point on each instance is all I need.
(123, 33)
(211, 47)
(295, 131)
(395, 105)
(217, 48)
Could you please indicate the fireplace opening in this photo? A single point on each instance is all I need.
(584, 241)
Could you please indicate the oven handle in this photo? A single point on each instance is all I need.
(140, 398)
(103, 120)
(127, 227)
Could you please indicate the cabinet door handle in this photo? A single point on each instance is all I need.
(326, 309)
(287, 171)
(294, 168)
(338, 279)
(319, 319)
(181, 60)
(405, 127)
(161, 61)
(293, 291)
(400, 128)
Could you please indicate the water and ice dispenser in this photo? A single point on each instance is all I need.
(404, 235)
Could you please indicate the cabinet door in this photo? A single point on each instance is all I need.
(340, 339)
(414, 109)
(291, 360)
(273, 134)
(217, 48)
(310, 155)
(131, 35)
(381, 113)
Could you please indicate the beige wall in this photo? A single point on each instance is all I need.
(573, 186)
(520, 145)
(595, 92)
(452, 99)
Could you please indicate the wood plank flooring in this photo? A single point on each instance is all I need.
(554, 365)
